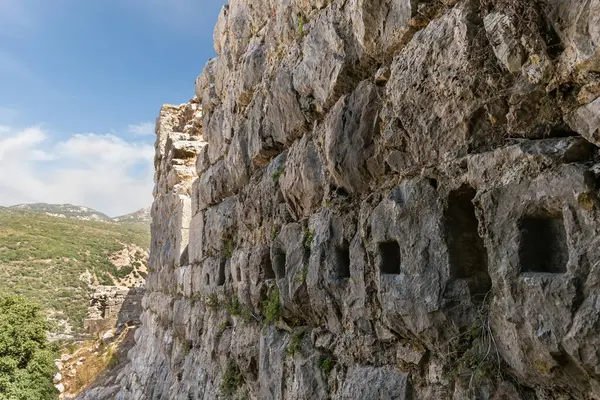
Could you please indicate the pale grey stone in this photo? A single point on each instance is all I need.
(407, 189)
(585, 120)
(371, 383)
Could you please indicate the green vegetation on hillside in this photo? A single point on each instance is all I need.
(26, 360)
(43, 258)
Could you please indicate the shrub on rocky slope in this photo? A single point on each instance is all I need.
(26, 358)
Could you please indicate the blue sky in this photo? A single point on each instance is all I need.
(79, 79)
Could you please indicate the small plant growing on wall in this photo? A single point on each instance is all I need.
(296, 343)
(302, 274)
(308, 238)
(301, 26)
(232, 380)
(228, 246)
(272, 307)
(277, 174)
(326, 364)
(211, 301)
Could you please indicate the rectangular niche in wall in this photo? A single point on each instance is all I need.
(267, 267)
(279, 261)
(389, 253)
(221, 275)
(468, 255)
(342, 261)
(238, 272)
(543, 244)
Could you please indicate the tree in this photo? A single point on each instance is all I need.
(26, 358)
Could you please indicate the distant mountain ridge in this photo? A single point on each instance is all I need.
(81, 212)
(63, 210)
(141, 215)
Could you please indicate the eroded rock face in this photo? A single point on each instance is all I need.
(379, 200)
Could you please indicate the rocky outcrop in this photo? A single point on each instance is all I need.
(380, 199)
(111, 306)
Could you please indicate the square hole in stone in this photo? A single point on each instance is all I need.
(543, 244)
(468, 255)
(389, 253)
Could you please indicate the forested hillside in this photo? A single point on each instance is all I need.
(54, 260)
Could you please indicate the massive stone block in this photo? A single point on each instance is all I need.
(577, 23)
(302, 179)
(370, 383)
(585, 120)
(382, 27)
(539, 242)
(274, 119)
(431, 89)
(349, 137)
(320, 74)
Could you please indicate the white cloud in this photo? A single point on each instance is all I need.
(144, 128)
(12, 146)
(104, 172)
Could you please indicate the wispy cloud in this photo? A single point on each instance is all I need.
(101, 171)
(143, 128)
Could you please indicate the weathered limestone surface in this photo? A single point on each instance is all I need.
(380, 200)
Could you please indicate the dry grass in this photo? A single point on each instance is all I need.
(93, 366)
(98, 357)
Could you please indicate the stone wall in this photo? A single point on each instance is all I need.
(111, 306)
(380, 199)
